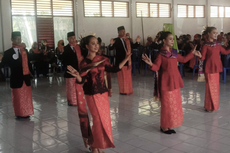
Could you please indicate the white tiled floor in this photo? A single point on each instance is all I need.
(54, 128)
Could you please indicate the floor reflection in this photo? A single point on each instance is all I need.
(135, 118)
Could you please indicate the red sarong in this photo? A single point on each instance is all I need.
(212, 91)
(102, 130)
(125, 81)
(171, 109)
(71, 91)
(22, 101)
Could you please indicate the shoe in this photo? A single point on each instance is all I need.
(71, 104)
(172, 131)
(123, 94)
(20, 117)
(208, 111)
(166, 132)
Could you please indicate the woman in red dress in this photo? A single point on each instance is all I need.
(169, 82)
(96, 93)
(211, 54)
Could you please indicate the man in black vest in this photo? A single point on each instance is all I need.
(75, 94)
(17, 58)
(123, 45)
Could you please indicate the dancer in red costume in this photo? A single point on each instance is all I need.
(96, 93)
(211, 54)
(169, 82)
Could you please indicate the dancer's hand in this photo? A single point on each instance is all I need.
(112, 41)
(146, 59)
(191, 45)
(197, 53)
(74, 73)
(128, 55)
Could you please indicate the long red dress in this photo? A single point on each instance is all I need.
(213, 66)
(96, 94)
(170, 82)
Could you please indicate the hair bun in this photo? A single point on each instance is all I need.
(164, 35)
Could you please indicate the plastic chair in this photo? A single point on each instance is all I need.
(194, 67)
(181, 65)
(135, 61)
(226, 67)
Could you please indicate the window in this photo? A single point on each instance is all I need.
(142, 9)
(120, 9)
(25, 7)
(153, 10)
(227, 12)
(62, 8)
(92, 8)
(43, 7)
(199, 11)
(182, 11)
(214, 11)
(219, 12)
(105, 9)
(190, 11)
(41, 19)
(164, 10)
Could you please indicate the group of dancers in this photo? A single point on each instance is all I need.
(87, 80)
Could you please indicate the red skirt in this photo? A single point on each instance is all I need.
(22, 101)
(125, 81)
(212, 91)
(101, 130)
(171, 109)
(71, 91)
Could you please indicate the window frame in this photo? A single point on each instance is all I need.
(158, 10)
(194, 11)
(218, 12)
(112, 5)
(49, 16)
